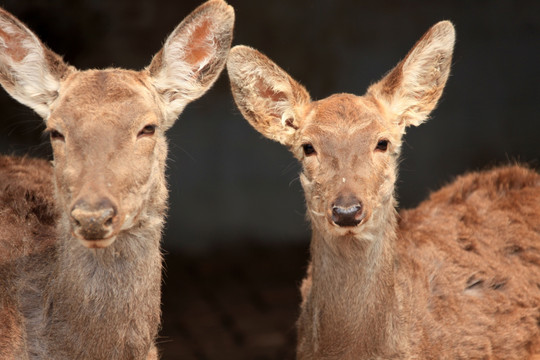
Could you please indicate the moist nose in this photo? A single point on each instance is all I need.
(347, 211)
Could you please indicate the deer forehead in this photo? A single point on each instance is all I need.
(345, 123)
(104, 99)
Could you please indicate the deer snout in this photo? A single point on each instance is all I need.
(347, 211)
(93, 221)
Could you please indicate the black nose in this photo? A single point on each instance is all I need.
(93, 221)
(347, 211)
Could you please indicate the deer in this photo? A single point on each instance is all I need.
(80, 253)
(457, 277)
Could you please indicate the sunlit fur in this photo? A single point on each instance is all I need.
(456, 278)
(64, 295)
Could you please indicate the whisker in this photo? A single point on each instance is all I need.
(316, 213)
(297, 178)
(289, 167)
(176, 146)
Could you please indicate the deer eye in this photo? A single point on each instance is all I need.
(56, 135)
(308, 149)
(148, 130)
(382, 145)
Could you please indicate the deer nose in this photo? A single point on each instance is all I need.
(347, 211)
(93, 221)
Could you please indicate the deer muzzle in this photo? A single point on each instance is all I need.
(94, 223)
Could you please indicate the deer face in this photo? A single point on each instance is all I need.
(348, 145)
(348, 154)
(107, 126)
(107, 135)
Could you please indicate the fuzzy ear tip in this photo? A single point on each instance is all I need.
(226, 14)
(229, 10)
(219, 10)
(241, 50)
(446, 30)
(223, 6)
(447, 24)
(237, 56)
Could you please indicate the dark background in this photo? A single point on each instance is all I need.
(236, 235)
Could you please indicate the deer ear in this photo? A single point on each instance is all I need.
(193, 56)
(29, 71)
(411, 90)
(265, 94)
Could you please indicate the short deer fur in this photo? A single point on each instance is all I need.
(80, 260)
(456, 278)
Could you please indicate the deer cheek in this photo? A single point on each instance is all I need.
(309, 166)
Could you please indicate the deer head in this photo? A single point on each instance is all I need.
(348, 145)
(107, 127)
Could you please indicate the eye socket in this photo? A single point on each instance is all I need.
(148, 130)
(308, 149)
(56, 135)
(382, 145)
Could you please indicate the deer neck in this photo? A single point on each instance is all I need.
(350, 310)
(103, 303)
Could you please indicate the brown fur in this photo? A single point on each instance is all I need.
(456, 278)
(27, 212)
(80, 260)
(477, 242)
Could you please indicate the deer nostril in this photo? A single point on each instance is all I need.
(351, 210)
(108, 216)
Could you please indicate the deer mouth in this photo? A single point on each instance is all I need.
(94, 239)
(353, 230)
(97, 244)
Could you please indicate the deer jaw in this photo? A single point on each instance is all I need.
(348, 176)
(116, 118)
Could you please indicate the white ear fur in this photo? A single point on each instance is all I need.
(29, 71)
(265, 94)
(193, 56)
(411, 90)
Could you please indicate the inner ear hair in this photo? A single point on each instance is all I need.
(412, 89)
(193, 56)
(265, 94)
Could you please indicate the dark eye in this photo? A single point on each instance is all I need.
(382, 145)
(56, 135)
(148, 130)
(308, 149)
